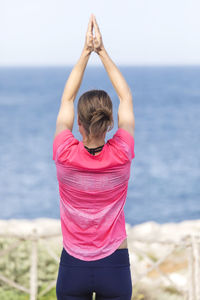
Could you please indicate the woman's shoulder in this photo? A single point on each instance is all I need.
(122, 136)
(63, 142)
(123, 141)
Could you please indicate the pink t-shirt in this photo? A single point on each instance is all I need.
(93, 190)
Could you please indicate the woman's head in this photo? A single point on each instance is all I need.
(95, 113)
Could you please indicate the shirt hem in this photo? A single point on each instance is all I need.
(97, 256)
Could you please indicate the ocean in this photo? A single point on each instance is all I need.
(164, 184)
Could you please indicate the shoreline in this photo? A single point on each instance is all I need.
(147, 231)
(142, 229)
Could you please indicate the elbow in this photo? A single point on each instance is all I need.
(126, 95)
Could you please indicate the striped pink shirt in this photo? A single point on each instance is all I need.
(93, 190)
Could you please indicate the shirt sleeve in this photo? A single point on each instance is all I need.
(125, 141)
(62, 144)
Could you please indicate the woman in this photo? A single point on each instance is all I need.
(93, 180)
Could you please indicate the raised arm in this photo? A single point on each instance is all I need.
(126, 117)
(65, 118)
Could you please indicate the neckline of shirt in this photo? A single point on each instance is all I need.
(91, 155)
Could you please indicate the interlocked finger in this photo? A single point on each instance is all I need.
(95, 24)
(90, 27)
(97, 30)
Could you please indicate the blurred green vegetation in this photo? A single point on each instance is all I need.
(15, 265)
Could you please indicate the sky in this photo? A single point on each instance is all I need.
(134, 32)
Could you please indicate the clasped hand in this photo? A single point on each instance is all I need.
(93, 43)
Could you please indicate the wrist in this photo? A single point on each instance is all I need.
(86, 52)
(102, 52)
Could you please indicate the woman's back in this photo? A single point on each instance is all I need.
(93, 191)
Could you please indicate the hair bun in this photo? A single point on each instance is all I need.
(106, 114)
(100, 113)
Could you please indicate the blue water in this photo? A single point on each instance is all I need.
(164, 184)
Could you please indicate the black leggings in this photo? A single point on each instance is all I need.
(109, 277)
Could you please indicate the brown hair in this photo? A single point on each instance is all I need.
(95, 113)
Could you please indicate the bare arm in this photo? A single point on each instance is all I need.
(126, 117)
(116, 77)
(65, 118)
